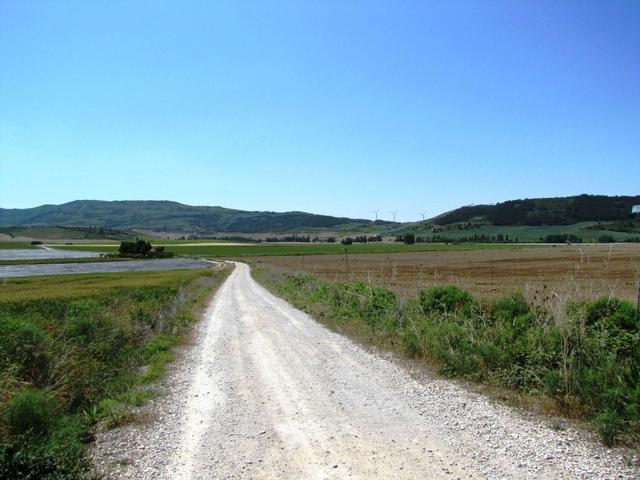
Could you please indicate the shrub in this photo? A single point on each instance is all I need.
(30, 411)
(513, 311)
(613, 312)
(22, 344)
(445, 299)
(380, 308)
(609, 425)
(58, 456)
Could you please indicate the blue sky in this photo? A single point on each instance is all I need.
(335, 107)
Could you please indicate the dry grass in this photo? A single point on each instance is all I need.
(543, 274)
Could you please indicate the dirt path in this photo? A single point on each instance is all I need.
(266, 392)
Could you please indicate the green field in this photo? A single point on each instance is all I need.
(77, 353)
(523, 233)
(262, 249)
(10, 245)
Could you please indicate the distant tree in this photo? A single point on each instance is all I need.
(138, 247)
(347, 241)
(409, 239)
(141, 248)
(606, 239)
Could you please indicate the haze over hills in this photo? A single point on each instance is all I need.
(168, 216)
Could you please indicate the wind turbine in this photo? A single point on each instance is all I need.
(393, 212)
(376, 212)
(423, 214)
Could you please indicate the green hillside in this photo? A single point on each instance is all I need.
(483, 231)
(58, 232)
(588, 217)
(169, 217)
(546, 211)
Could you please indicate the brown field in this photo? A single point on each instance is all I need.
(570, 272)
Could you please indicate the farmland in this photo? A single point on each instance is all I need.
(586, 231)
(276, 249)
(583, 271)
(14, 245)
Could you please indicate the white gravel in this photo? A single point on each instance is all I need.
(266, 392)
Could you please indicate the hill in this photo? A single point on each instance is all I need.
(166, 216)
(546, 211)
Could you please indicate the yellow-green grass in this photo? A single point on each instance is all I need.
(11, 245)
(81, 285)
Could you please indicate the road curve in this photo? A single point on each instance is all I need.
(266, 392)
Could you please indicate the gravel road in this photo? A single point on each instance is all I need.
(264, 391)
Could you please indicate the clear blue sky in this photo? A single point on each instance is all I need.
(334, 107)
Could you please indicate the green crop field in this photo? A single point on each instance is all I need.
(14, 245)
(262, 249)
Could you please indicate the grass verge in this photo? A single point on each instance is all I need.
(76, 353)
(584, 356)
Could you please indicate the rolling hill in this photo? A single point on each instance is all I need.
(166, 216)
(585, 216)
(546, 211)
(589, 218)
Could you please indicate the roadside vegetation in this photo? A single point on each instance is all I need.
(77, 352)
(583, 355)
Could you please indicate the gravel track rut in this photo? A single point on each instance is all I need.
(266, 392)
